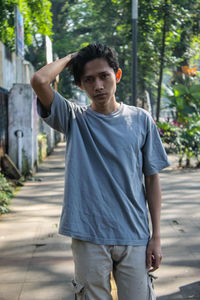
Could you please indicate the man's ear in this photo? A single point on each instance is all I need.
(118, 75)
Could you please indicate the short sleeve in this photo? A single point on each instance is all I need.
(58, 117)
(154, 155)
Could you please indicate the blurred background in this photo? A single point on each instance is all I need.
(158, 46)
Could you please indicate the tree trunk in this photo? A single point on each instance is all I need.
(162, 59)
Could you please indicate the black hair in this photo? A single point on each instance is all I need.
(88, 53)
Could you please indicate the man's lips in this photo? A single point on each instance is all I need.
(100, 95)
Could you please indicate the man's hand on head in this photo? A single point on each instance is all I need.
(71, 57)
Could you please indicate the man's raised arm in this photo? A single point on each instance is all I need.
(42, 79)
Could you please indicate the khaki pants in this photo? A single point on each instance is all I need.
(94, 264)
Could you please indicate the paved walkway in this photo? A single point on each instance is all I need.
(36, 263)
(179, 274)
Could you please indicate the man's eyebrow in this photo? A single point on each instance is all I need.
(104, 72)
(87, 76)
(100, 73)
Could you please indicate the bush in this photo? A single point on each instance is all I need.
(168, 134)
(42, 147)
(183, 140)
(6, 194)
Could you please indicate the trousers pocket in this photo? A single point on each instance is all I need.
(79, 290)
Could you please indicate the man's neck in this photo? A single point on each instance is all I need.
(105, 108)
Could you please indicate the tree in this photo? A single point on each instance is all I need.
(166, 31)
(37, 20)
(189, 28)
(80, 23)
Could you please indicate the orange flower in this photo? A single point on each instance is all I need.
(189, 71)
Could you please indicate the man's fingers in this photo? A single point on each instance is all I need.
(71, 55)
(74, 54)
(153, 262)
(153, 255)
(149, 260)
(156, 260)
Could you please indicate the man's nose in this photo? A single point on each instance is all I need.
(98, 84)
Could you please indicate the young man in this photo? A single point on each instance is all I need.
(113, 156)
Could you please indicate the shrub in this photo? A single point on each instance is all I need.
(183, 140)
(5, 194)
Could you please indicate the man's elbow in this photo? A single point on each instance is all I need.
(37, 80)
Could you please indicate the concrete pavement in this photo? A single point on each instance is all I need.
(179, 274)
(36, 263)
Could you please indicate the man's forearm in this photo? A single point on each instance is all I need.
(41, 80)
(49, 72)
(153, 195)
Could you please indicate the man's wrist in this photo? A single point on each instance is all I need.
(155, 236)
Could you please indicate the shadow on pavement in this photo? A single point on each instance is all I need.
(189, 291)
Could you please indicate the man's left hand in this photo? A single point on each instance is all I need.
(153, 254)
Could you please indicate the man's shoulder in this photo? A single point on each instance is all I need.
(137, 111)
(72, 104)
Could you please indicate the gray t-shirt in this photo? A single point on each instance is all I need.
(107, 157)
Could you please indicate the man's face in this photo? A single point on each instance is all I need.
(99, 81)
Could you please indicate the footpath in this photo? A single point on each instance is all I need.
(36, 262)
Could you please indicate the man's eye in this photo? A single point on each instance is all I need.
(88, 80)
(104, 76)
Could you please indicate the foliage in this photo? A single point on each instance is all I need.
(183, 140)
(42, 147)
(183, 133)
(78, 23)
(168, 133)
(185, 94)
(190, 139)
(5, 194)
(35, 53)
(37, 19)
(181, 30)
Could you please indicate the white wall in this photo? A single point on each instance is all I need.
(13, 69)
(15, 74)
(22, 116)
